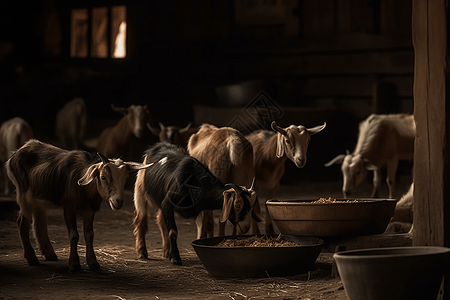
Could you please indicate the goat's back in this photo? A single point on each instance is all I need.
(175, 173)
(48, 172)
(386, 136)
(71, 120)
(226, 152)
(13, 134)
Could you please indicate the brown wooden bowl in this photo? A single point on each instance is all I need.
(340, 218)
(394, 273)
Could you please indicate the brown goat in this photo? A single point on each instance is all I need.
(271, 150)
(47, 176)
(13, 134)
(118, 141)
(229, 156)
(71, 122)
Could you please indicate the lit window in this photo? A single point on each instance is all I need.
(107, 27)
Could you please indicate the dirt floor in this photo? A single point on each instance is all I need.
(125, 276)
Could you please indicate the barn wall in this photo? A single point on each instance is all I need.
(352, 57)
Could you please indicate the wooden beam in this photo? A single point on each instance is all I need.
(431, 94)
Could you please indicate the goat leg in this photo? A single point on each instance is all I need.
(41, 234)
(24, 231)
(376, 182)
(167, 219)
(140, 229)
(88, 227)
(390, 178)
(71, 223)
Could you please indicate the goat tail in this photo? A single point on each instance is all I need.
(17, 174)
(235, 149)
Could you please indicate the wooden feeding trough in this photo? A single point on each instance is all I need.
(331, 217)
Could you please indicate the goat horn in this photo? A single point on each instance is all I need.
(235, 187)
(104, 159)
(182, 130)
(161, 125)
(277, 128)
(152, 130)
(253, 183)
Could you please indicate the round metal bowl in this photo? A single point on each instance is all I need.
(396, 273)
(340, 218)
(247, 262)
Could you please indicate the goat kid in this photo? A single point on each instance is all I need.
(229, 156)
(118, 141)
(270, 152)
(13, 134)
(46, 176)
(71, 122)
(383, 140)
(180, 183)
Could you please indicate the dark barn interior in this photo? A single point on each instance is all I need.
(208, 61)
(237, 63)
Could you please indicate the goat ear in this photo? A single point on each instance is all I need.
(317, 129)
(90, 174)
(337, 160)
(280, 145)
(135, 166)
(227, 205)
(255, 214)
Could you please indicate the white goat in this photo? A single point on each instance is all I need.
(13, 134)
(229, 156)
(71, 122)
(46, 176)
(383, 140)
(402, 220)
(270, 152)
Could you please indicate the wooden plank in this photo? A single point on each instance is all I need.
(368, 241)
(352, 86)
(343, 8)
(400, 62)
(313, 45)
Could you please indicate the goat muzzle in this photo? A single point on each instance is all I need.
(115, 204)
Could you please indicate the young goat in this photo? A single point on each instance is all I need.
(46, 176)
(229, 156)
(383, 140)
(180, 183)
(272, 149)
(13, 134)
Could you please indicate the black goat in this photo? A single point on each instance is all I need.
(180, 183)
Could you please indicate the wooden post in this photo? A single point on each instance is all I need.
(431, 95)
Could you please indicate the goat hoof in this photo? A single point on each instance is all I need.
(95, 267)
(33, 261)
(177, 261)
(51, 257)
(76, 268)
